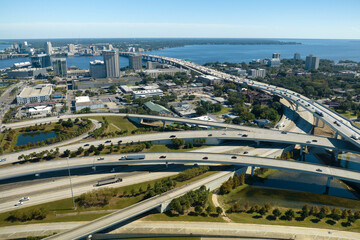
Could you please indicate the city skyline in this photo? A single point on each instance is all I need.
(161, 19)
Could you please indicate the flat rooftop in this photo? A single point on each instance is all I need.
(36, 91)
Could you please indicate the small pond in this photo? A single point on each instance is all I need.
(34, 137)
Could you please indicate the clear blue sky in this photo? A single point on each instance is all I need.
(180, 18)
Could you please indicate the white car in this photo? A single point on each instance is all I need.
(18, 204)
(24, 199)
(3, 160)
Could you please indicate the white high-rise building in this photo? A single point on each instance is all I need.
(112, 63)
(48, 48)
(254, 73)
(71, 48)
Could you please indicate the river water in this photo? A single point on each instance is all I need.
(324, 48)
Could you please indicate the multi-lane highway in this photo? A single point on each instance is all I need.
(341, 125)
(184, 157)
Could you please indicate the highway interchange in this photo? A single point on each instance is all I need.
(346, 130)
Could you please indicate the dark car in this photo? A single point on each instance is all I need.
(162, 156)
(233, 157)
(283, 132)
(246, 152)
(86, 145)
(205, 158)
(318, 170)
(209, 135)
(314, 140)
(108, 141)
(244, 135)
(172, 136)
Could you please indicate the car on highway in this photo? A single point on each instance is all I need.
(18, 204)
(100, 158)
(86, 145)
(108, 141)
(209, 135)
(233, 157)
(3, 160)
(314, 140)
(283, 132)
(223, 134)
(318, 170)
(172, 136)
(308, 141)
(24, 199)
(245, 152)
(240, 134)
(205, 158)
(244, 135)
(163, 156)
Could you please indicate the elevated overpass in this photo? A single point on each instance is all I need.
(240, 133)
(339, 124)
(183, 157)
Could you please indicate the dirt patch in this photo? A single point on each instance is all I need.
(323, 130)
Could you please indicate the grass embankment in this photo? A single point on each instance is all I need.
(64, 206)
(116, 123)
(167, 238)
(224, 110)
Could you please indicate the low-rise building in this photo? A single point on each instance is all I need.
(157, 108)
(147, 93)
(85, 102)
(154, 73)
(38, 93)
(26, 72)
(39, 110)
(274, 62)
(211, 80)
(185, 110)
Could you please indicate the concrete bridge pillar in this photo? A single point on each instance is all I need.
(336, 134)
(164, 124)
(316, 121)
(297, 107)
(167, 164)
(301, 151)
(252, 170)
(328, 185)
(257, 143)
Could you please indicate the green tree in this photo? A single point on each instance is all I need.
(276, 212)
(219, 210)
(289, 214)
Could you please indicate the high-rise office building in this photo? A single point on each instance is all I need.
(97, 69)
(297, 56)
(112, 63)
(59, 66)
(312, 62)
(48, 48)
(276, 55)
(135, 61)
(40, 61)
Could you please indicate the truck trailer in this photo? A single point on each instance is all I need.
(109, 181)
(133, 157)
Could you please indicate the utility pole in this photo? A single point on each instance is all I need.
(72, 193)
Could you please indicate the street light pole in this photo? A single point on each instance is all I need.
(72, 194)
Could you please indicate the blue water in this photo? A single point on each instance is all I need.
(327, 49)
(82, 61)
(335, 50)
(26, 138)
